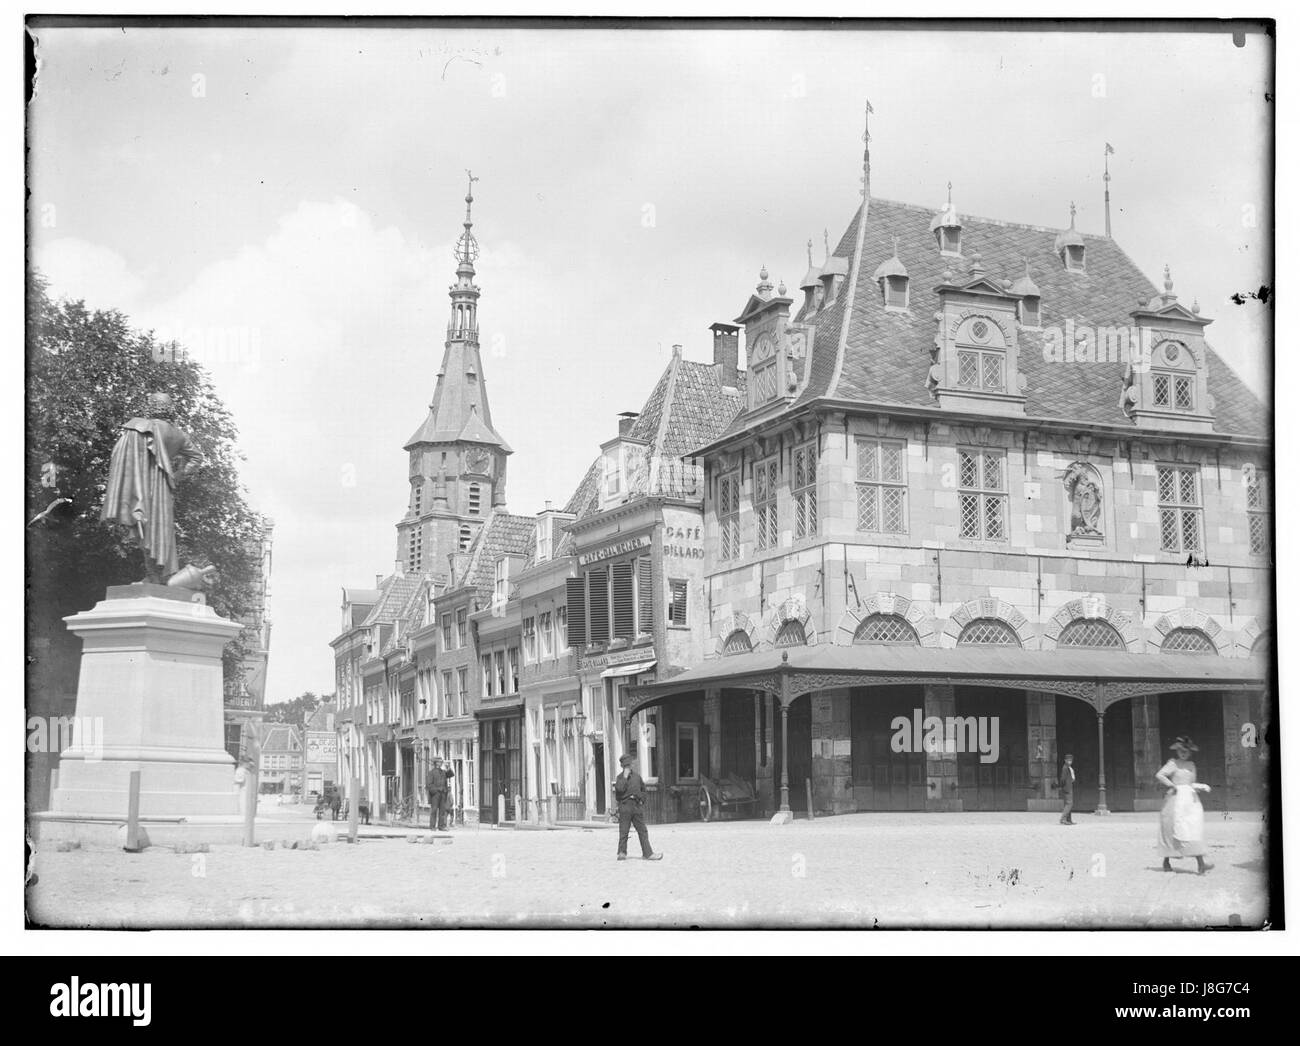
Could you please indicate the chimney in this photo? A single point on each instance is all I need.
(379, 579)
(726, 352)
(548, 507)
(626, 421)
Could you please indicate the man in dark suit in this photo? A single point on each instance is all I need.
(629, 790)
(1067, 789)
(436, 785)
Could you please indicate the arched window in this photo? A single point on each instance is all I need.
(1188, 641)
(464, 538)
(737, 643)
(886, 628)
(1091, 633)
(791, 634)
(988, 631)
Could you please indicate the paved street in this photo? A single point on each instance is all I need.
(863, 870)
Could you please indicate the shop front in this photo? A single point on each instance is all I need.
(501, 751)
(910, 729)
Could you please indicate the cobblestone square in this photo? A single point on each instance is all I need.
(996, 870)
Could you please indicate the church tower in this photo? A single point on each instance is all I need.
(457, 459)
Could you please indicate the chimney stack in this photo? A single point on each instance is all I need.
(726, 352)
(379, 580)
(626, 421)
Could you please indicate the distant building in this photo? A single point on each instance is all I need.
(246, 698)
(281, 769)
(320, 749)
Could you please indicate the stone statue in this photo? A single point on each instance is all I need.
(1085, 500)
(149, 459)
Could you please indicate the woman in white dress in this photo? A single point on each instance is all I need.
(1182, 818)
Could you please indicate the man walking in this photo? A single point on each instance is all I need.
(629, 790)
(436, 785)
(1067, 789)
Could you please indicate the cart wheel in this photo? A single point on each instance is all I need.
(706, 805)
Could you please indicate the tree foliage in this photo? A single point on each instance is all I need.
(295, 712)
(88, 372)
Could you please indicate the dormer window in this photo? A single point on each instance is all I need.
(544, 539)
(1031, 312)
(946, 227)
(1074, 257)
(1070, 247)
(896, 292)
(950, 240)
(892, 277)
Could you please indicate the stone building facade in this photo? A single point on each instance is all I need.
(986, 473)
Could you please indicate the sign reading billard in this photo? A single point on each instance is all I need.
(610, 551)
(682, 551)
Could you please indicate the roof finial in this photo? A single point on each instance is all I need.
(764, 287)
(1071, 214)
(895, 246)
(1196, 306)
(1106, 179)
(780, 288)
(467, 246)
(826, 243)
(950, 195)
(810, 264)
(1169, 281)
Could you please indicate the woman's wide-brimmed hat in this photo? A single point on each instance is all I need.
(1184, 742)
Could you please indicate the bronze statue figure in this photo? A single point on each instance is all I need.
(149, 459)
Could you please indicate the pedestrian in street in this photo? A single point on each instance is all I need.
(629, 790)
(336, 802)
(363, 807)
(1182, 818)
(436, 784)
(1066, 784)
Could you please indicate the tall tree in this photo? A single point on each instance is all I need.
(295, 712)
(87, 373)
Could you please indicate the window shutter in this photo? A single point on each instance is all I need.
(575, 591)
(624, 619)
(645, 595)
(677, 614)
(598, 600)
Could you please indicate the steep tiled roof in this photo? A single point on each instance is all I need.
(503, 534)
(888, 353)
(687, 408)
(394, 592)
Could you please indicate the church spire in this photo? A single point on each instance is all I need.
(463, 324)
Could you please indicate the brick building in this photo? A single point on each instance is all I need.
(985, 472)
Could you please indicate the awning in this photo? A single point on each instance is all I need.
(1074, 671)
(628, 670)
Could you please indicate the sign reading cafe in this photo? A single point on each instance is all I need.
(610, 551)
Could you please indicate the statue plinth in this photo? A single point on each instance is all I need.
(149, 699)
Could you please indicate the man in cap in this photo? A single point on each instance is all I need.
(629, 790)
(436, 785)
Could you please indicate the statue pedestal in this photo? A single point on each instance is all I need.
(149, 699)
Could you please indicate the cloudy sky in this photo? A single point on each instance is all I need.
(284, 201)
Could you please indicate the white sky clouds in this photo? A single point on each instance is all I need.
(289, 198)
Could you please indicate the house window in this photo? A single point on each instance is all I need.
(982, 369)
(1173, 391)
(417, 496)
(804, 490)
(447, 695)
(766, 479)
(737, 643)
(1031, 312)
(544, 540)
(446, 632)
(488, 690)
(988, 631)
(462, 692)
(598, 605)
(512, 656)
(729, 516)
(1091, 633)
(463, 543)
(1188, 641)
(896, 292)
(884, 630)
(462, 628)
(499, 582)
(548, 639)
(561, 629)
(1179, 499)
(677, 603)
(475, 500)
(688, 752)
(499, 662)
(882, 486)
(1257, 513)
(982, 497)
(530, 640)
(791, 634)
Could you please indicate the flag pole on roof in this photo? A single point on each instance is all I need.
(1106, 179)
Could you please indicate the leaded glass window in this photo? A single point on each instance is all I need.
(1188, 641)
(791, 634)
(988, 631)
(767, 478)
(882, 486)
(885, 629)
(982, 494)
(1088, 632)
(803, 490)
(1178, 493)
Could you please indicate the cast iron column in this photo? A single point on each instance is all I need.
(1101, 765)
